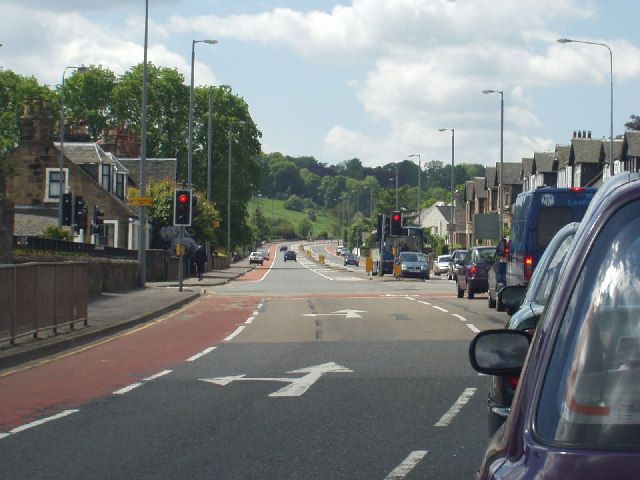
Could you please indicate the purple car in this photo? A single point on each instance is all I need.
(473, 274)
(576, 411)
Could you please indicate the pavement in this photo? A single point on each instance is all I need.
(112, 312)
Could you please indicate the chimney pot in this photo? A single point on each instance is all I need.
(575, 134)
(584, 134)
(579, 134)
(589, 134)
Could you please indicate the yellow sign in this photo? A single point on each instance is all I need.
(180, 250)
(368, 264)
(141, 201)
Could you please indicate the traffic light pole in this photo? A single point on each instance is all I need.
(180, 260)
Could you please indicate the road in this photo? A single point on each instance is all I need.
(297, 371)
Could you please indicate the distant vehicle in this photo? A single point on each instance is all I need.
(536, 296)
(574, 415)
(496, 279)
(441, 264)
(457, 258)
(283, 248)
(265, 253)
(351, 259)
(256, 257)
(473, 274)
(537, 217)
(290, 255)
(343, 251)
(414, 264)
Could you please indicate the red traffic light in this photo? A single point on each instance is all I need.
(396, 217)
(183, 198)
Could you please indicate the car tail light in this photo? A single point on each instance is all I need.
(507, 246)
(513, 382)
(576, 189)
(528, 267)
(473, 271)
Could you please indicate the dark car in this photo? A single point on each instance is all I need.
(290, 255)
(283, 248)
(473, 274)
(496, 280)
(351, 259)
(575, 414)
(457, 258)
(385, 265)
(536, 296)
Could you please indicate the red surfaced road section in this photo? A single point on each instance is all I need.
(72, 380)
(259, 273)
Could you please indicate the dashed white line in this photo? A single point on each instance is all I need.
(456, 407)
(127, 389)
(410, 298)
(238, 330)
(473, 328)
(441, 309)
(459, 317)
(249, 320)
(255, 313)
(424, 303)
(259, 306)
(39, 422)
(408, 464)
(201, 354)
(157, 375)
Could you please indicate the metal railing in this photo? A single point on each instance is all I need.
(53, 245)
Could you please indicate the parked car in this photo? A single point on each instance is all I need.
(414, 264)
(265, 253)
(441, 264)
(457, 258)
(473, 274)
(256, 257)
(283, 248)
(351, 259)
(385, 264)
(529, 310)
(537, 217)
(496, 279)
(290, 255)
(575, 413)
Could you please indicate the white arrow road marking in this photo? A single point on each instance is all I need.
(347, 313)
(296, 387)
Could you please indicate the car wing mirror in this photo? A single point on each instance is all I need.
(499, 352)
(512, 296)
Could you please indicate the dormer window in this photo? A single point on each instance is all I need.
(106, 177)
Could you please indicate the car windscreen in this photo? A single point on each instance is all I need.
(591, 392)
(444, 259)
(485, 255)
(409, 257)
(550, 221)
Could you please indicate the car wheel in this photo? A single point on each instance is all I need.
(460, 292)
(492, 302)
(470, 293)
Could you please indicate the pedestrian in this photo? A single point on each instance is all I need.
(200, 258)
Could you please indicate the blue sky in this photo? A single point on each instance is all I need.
(372, 79)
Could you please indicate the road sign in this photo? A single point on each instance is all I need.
(347, 313)
(141, 201)
(296, 387)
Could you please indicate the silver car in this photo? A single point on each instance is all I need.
(441, 264)
(414, 264)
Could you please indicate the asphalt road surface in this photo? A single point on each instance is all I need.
(296, 371)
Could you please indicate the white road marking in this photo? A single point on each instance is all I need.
(408, 464)
(39, 422)
(238, 330)
(441, 309)
(459, 317)
(249, 320)
(424, 303)
(259, 306)
(473, 328)
(3, 435)
(157, 375)
(255, 313)
(201, 354)
(127, 389)
(410, 298)
(346, 312)
(456, 407)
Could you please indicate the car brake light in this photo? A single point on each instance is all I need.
(507, 246)
(513, 382)
(528, 267)
(576, 189)
(473, 271)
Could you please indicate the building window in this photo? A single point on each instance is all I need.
(120, 185)
(106, 177)
(52, 188)
(576, 176)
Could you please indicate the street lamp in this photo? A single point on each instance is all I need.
(142, 226)
(453, 136)
(501, 180)
(396, 186)
(190, 154)
(419, 186)
(61, 182)
(568, 40)
(231, 123)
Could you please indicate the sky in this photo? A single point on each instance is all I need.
(372, 79)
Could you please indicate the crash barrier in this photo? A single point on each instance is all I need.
(41, 296)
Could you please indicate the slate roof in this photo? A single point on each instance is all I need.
(563, 154)
(157, 168)
(544, 162)
(445, 211)
(511, 174)
(84, 153)
(492, 179)
(468, 188)
(480, 187)
(633, 143)
(527, 167)
(617, 150)
(586, 150)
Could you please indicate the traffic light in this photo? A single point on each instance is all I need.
(98, 221)
(396, 223)
(80, 213)
(182, 208)
(67, 209)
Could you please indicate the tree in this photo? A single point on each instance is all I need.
(260, 225)
(295, 203)
(305, 228)
(634, 123)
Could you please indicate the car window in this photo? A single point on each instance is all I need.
(550, 221)
(409, 257)
(548, 282)
(591, 393)
(485, 255)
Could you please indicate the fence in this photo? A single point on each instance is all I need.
(48, 244)
(41, 296)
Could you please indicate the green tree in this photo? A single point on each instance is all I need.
(295, 203)
(634, 123)
(305, 228)
(261, 227)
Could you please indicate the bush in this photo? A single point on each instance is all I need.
(295, 203)
(56, 233)
(309, 204)
(312, 215)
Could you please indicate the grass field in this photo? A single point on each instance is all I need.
(274, 209)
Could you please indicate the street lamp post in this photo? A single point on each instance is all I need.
(231, 123)
(419, 187)
(453, 137)
(61, 182)
(501, 180)
(396, 186)
(569, 40)
(190, 154)
(142, 227)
